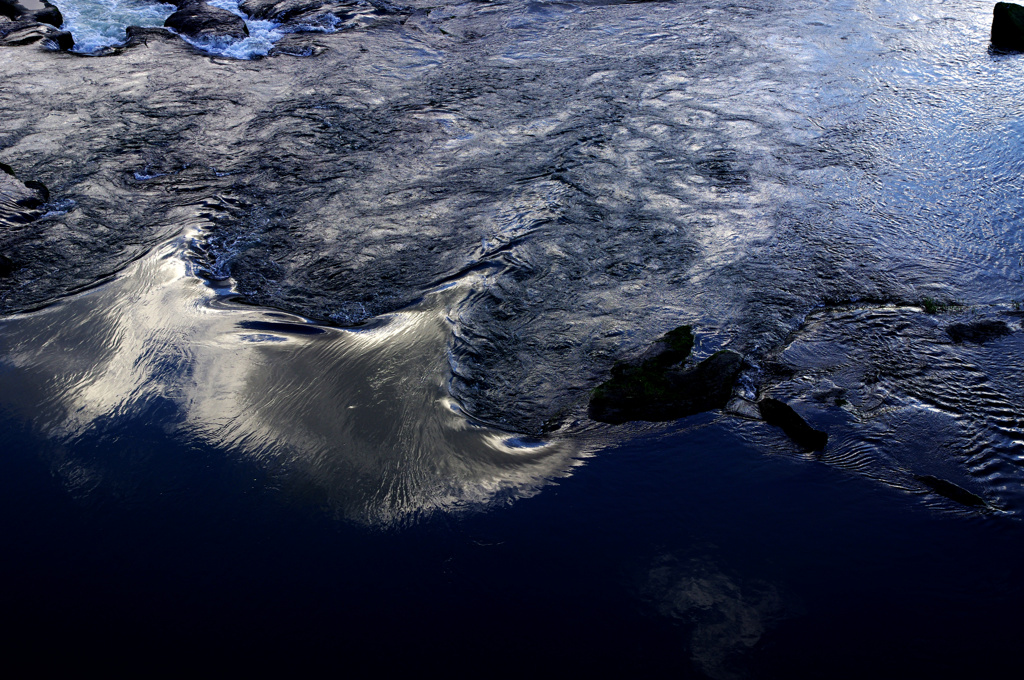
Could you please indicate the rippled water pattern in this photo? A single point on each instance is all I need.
(591, 175)
(378, 282)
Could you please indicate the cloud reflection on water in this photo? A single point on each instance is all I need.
(357, 420)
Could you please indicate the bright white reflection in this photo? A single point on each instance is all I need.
(359, 420)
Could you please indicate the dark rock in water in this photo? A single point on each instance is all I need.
(19, 201)
(978, 331)
(951, 491)
(199, 20)
(40, 189)
(658, 388)
(6, 266)
(12, 10)
(781, 414)
(49, 15)
(1008, 26)
(27, 31)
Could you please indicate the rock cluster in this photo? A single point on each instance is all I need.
(22, 26)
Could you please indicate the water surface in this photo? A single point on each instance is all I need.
(360, 297)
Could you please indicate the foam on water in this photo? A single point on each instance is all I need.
(262, 36)
(99, 24)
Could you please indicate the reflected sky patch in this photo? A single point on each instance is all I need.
(358, 422)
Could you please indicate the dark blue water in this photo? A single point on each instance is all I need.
(686, 552)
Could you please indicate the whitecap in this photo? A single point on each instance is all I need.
(100, 24)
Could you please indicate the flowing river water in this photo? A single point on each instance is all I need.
(317, 315)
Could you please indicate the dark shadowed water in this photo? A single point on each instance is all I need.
(295, 357)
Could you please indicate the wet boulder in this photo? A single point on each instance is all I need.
(200, 21)
(781, 414)
(977, 331)
(48, 15)
(1008, 26)
(661, 387)
(15, 11)
(25, 30)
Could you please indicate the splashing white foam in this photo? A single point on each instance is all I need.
(262, 36)
(98, 24)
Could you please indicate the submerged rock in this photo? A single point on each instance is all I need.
(977, 331)
(49, 15)
(198, 20)
(660, 388)
(6, 266)
(951, 491)
(11, 10)
(1008, 26)
(781, 414)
